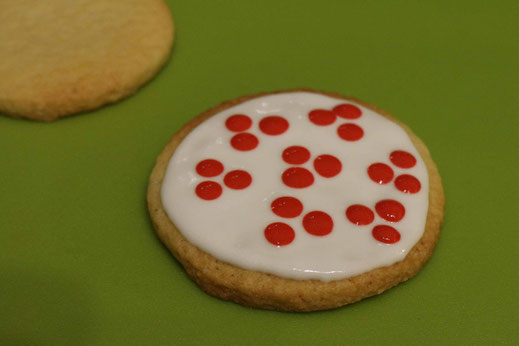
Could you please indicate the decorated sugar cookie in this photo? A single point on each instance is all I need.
(296, 200)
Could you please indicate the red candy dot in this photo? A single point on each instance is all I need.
(350, 132)
(279, 233)
(402, 159)
(296, 155)
(244, 141)
(385, 234)
(237, 179)
(390, 210)
(318, 223)
(380, 173)
(327, 165)
(273, 125)
(297, 177)
(238, 122)
(347, 111)
(407, 183)
(360, 215)
(322, 117)
(208, 190)
(209, 168)
(287, 207)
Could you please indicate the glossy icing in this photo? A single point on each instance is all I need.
(321, 240)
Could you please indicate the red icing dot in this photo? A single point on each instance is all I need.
(327, 165)
(238, 122)
(296, 155)
(237, 179)
(297, 177)
(318, 223)
(347, 111)
(209, 168)
(244, 141)
(322, 117)
(402, 159)
(385, 234)
(279, 233)
(350, 132)
(360, 215)
(273, 125)
(208, 190)
(287, 207)
(380, 173)
(390, 210)
(407, 183)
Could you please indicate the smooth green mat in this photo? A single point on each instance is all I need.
(79, 262)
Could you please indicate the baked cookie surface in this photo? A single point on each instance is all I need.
(62, 57)
(296, 200)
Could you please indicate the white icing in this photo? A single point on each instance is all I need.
(231, 227)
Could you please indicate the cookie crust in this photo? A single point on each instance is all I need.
(267, 291)
(61, 57)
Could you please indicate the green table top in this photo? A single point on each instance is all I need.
(79, 261)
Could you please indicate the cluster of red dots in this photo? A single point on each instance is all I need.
(388, 209)
(272, 125)
(317, 223)
(325, 165)
(347, 131)
(382, 173)
(209, 190)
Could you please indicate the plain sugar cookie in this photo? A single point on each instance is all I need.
(296, 200)
(61, 57)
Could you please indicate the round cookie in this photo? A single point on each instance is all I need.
(62, 57)
(296, 200)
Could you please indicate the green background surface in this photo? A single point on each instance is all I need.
(79, 261)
